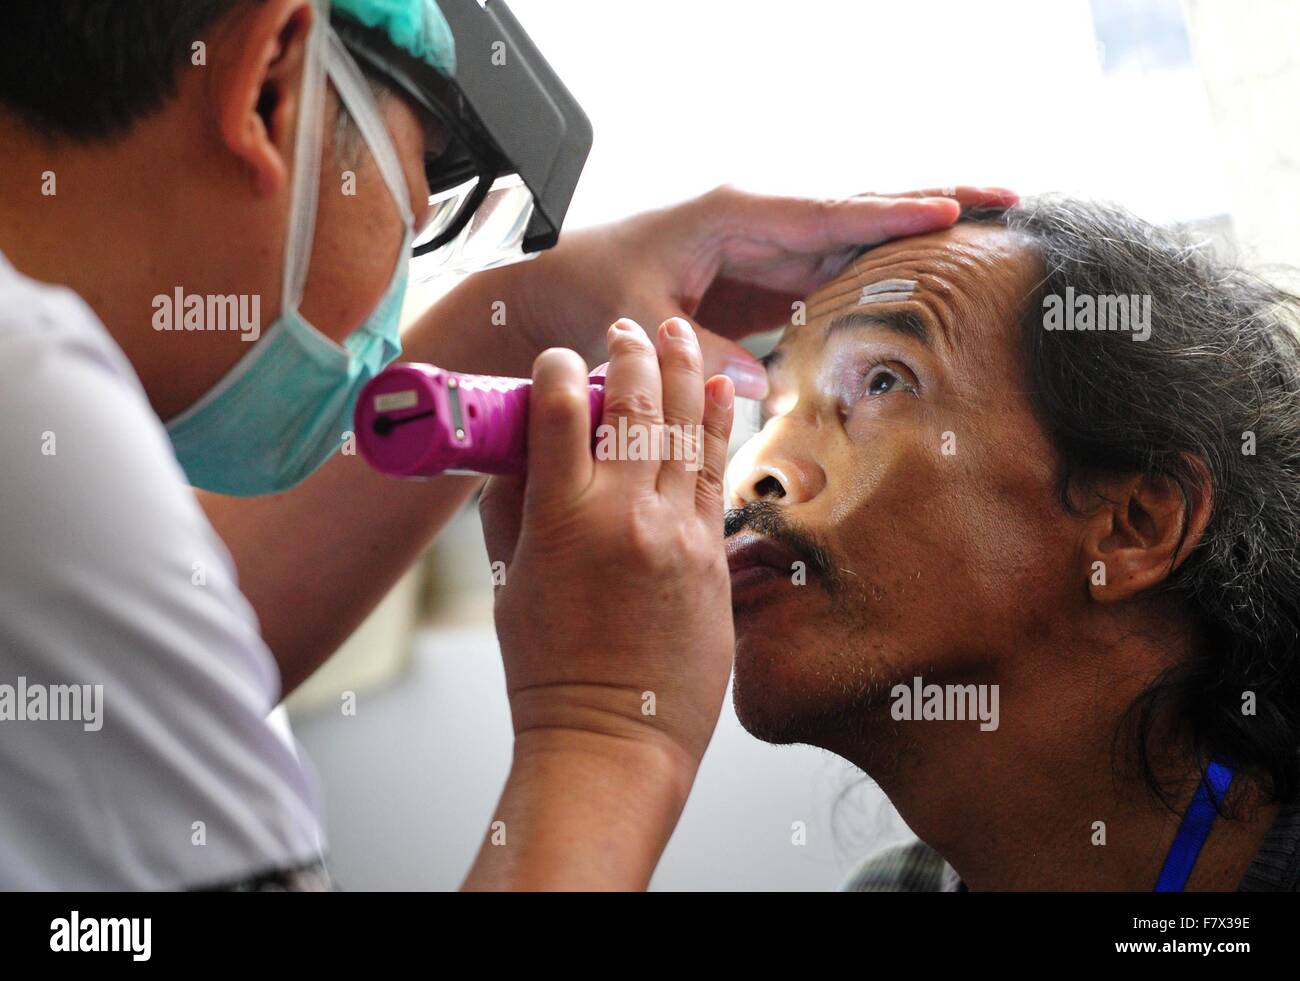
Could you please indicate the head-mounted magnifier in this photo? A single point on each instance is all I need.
(507, 142)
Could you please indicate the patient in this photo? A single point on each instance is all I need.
(1030, 574)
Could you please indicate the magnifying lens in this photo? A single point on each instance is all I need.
(506, 145)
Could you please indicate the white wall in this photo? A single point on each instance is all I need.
(843, 96)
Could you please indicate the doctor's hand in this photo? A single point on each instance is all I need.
(731, 263)
(614, 617)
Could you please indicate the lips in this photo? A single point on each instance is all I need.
(757, 561)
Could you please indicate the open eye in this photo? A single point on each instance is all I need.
(882, 379)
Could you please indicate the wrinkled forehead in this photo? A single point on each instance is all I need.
(963, 284)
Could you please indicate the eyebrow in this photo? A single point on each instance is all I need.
(905, 322)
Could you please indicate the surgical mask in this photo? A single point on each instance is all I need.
(286, 407)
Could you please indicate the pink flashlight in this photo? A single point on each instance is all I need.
(418, 420)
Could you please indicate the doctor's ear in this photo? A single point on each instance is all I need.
(1140, 527)
(257, 88)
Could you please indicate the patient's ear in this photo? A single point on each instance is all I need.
(1134, 536)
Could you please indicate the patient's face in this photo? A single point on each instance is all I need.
(904, 468)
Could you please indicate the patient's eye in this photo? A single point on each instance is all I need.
(882, 379)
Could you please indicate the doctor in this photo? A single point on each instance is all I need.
(209, 214)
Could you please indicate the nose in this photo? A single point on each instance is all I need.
(773, 467)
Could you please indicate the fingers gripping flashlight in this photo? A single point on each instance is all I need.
(417, 420)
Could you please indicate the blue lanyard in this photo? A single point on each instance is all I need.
(1194, 829)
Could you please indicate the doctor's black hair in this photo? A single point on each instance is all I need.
(1216, 381)
(89, 70)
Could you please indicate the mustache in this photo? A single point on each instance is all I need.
(766, 518)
